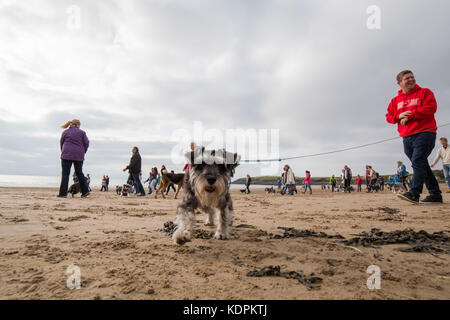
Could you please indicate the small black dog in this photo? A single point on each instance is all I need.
(74, 189)
(119, 190)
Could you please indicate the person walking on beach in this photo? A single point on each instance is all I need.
(248, 181)
(279, 183)
(347, 179)
(149, 180)
(134, 168)
(359, 182)
(107, 183)
(154, 181)
(413, 111)
(367, 176)
(307, 182)
(402, 174)
(373, 176)
(74, 144)
(333, 183)
(103, 188)
(288, 179)
(444, 154)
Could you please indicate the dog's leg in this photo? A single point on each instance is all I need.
(157, 190)
(178, 190)
(222, 228)
(231, 212)
(185, 221)
(163, 188)
(210, 217)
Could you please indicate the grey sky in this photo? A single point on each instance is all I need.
(138, 70)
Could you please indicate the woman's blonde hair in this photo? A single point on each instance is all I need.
(71, 123)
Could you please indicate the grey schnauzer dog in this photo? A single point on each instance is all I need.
(207, 187)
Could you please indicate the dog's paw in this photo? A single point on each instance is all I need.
(181, 236)
(221, 236)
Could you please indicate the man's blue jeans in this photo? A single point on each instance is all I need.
(307, 185)
(286, 186)
(137, 183)
(447, 174)
(417, 148)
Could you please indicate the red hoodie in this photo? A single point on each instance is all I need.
(421, 103)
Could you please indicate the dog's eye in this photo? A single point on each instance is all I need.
(199, 167)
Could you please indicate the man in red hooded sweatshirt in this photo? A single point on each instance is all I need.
(413, 111)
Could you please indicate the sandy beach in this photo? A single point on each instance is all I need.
(122, 253)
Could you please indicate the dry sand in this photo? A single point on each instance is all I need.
(115, 243)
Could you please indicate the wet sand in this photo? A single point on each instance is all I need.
(121, 254)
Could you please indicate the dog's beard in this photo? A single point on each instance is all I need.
(207, 194)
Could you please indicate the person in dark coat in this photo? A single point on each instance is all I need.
(248, 182)
(74, 144)
(134, 168)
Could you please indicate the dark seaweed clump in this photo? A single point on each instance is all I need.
(295, 233)
(274, 271)
(422, 241)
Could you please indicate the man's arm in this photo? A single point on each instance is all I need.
(391, 117)
(437, 158)
(428, 107)
(132, 161)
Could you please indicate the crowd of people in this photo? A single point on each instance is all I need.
(373, 180)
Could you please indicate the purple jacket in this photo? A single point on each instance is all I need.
(74, 144)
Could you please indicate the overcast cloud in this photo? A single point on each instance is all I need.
(137, 70)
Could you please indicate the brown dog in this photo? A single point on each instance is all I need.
(167, 179)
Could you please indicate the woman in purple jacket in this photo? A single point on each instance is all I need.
(74, 144)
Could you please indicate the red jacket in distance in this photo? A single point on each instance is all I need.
(421, 103)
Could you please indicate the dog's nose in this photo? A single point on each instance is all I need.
(211, 180)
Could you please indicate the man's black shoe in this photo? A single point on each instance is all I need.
(432, 199)
(409, 197)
